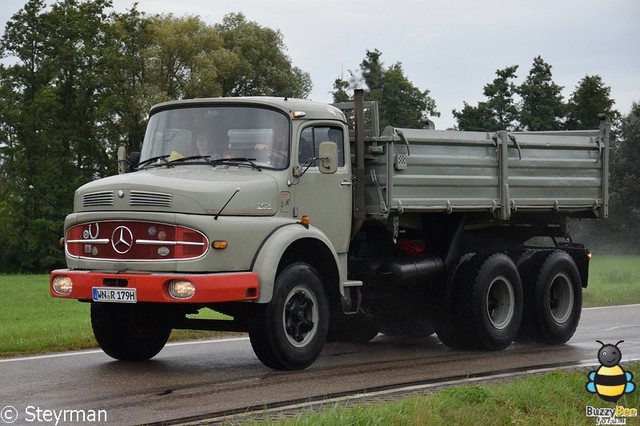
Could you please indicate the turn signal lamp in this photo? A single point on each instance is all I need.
(62, 285)
(220, 245)
(305, 220)
(181, 289)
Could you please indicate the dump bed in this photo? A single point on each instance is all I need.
(422, 170)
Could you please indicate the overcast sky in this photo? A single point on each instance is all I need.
(450, 47)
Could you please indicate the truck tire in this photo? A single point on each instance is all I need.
(445, 305)
(489, 302)
(129, 332)
(554, 304)
(528, 264)
(289, 332)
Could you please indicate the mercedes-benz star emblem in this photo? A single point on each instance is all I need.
(122, 239)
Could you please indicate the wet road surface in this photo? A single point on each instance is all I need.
(196, 378)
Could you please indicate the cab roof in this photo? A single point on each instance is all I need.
(290, 106)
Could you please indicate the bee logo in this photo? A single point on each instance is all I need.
(610, 381)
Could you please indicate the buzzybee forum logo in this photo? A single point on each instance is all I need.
(610, 382)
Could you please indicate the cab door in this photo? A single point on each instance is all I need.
(325, 198)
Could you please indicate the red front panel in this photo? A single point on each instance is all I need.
(210, 288)
(132, 240)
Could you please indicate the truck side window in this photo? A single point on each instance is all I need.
(311, 138)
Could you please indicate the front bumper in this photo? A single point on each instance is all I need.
(152, 287)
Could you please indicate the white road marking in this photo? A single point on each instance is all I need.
(99, 351)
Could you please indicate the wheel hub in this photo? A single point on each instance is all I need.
(500, 303)
(300, 314)
(561, 299)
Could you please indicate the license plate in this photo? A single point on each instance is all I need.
(114, 295)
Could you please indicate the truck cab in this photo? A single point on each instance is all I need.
(222, 200)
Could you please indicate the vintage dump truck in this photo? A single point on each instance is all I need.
(303, 224)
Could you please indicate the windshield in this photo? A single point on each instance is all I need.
(218, 133)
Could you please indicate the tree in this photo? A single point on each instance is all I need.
(78, 42)
(126, 94)
(401, 104)
(182, 60)
(625, 171)
(479, 118)
(372, 71)
(542, 106)
(28, 111)
(589, 99)
(255, 63)
(50, 120)
(343, 89)
(620, 233)
(498, 112)
(164, 57)
(340, 93)
(500, 101)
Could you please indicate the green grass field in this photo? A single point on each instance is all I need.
(613, 280)
(34, 322)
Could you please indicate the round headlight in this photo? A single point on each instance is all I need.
(62, 285)
(182, 289)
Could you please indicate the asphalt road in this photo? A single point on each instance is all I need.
(196, 378)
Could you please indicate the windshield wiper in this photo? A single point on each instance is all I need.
(232, 161)
(237, 161)
(149, 160)
(206, 158)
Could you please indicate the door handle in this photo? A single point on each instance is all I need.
(345, 183)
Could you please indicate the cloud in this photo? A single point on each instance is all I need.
(450, 47)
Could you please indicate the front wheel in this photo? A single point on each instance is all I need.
(131, 332)
(289, 332)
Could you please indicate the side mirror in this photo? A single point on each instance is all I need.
(134, 159)
(127, 164)
(328, 157)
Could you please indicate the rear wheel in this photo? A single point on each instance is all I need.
(445, 297)
(554, 312)
(491, 302)
(134, 332)
(483, 304)
(289, 332)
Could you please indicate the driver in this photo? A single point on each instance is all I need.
(213, 147)
(277, 151)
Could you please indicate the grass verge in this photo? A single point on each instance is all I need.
(557, 398)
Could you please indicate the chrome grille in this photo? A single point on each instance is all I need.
(149, 199)
(96, 199)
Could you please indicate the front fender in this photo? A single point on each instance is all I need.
(272, 249)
